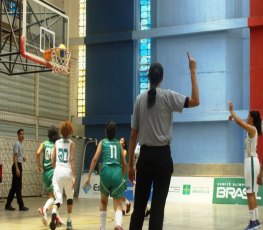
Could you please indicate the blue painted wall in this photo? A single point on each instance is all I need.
(215, 32)
(208, 29)
(110, 54)
(109, 68)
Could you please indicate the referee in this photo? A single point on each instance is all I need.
(151, 126)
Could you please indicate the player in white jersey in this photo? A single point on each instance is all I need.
(251, 164)
(64, 173)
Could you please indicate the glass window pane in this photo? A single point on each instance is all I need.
(81, 81)
(145, 45)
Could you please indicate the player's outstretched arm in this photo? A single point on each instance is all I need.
(194, 99)
(249, 128)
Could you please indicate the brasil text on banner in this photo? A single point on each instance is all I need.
(233, 191)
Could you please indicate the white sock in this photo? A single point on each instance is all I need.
(118, 218)
(252, 214)
(103, 216)
(54, 211)
(256, 213)
(49, 203)
(69, 216)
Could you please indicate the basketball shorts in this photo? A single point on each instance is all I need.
(62, 179)
(251, 171)
(112, 182)
(48, 177)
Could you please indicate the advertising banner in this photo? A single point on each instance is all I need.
(232, 191)
(191, 189)
(129, 191)
(94, 191)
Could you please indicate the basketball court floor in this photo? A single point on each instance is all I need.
(178, 216)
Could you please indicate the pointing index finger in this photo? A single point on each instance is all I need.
(188, 55)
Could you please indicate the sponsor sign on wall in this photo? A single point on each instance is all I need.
(129, 191)
(94, 191)
(191, 189)
(232, 191)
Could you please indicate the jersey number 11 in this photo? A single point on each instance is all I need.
(113, 151)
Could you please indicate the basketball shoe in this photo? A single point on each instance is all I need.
(53, 223)
(253, 225)
(128, 207)
(59, 221)
(43, 214)
(69, 224)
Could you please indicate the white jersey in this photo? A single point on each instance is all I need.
(251, 146)
(63, 152)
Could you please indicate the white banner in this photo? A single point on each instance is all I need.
(182, 189)
(94, 192)
(191, 189)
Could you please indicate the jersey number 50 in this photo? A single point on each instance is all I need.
(63, 155)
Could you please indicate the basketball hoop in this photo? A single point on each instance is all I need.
(59, 60)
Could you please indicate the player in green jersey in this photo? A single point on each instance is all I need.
(46, 168)
(111, 175)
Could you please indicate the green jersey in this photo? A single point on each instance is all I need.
(111, 152)
(48, 147)
(111, 180)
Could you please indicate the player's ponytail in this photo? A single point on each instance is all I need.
(155, 76)
(110, 130)
(257, 120)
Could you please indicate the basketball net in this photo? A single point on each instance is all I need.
(60, 61)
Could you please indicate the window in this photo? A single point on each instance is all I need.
(82, 60)
(82, 18)
(81, 81)
(144, 45)
(12, 7)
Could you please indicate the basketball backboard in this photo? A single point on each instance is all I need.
(27, 29)
(44, 27)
